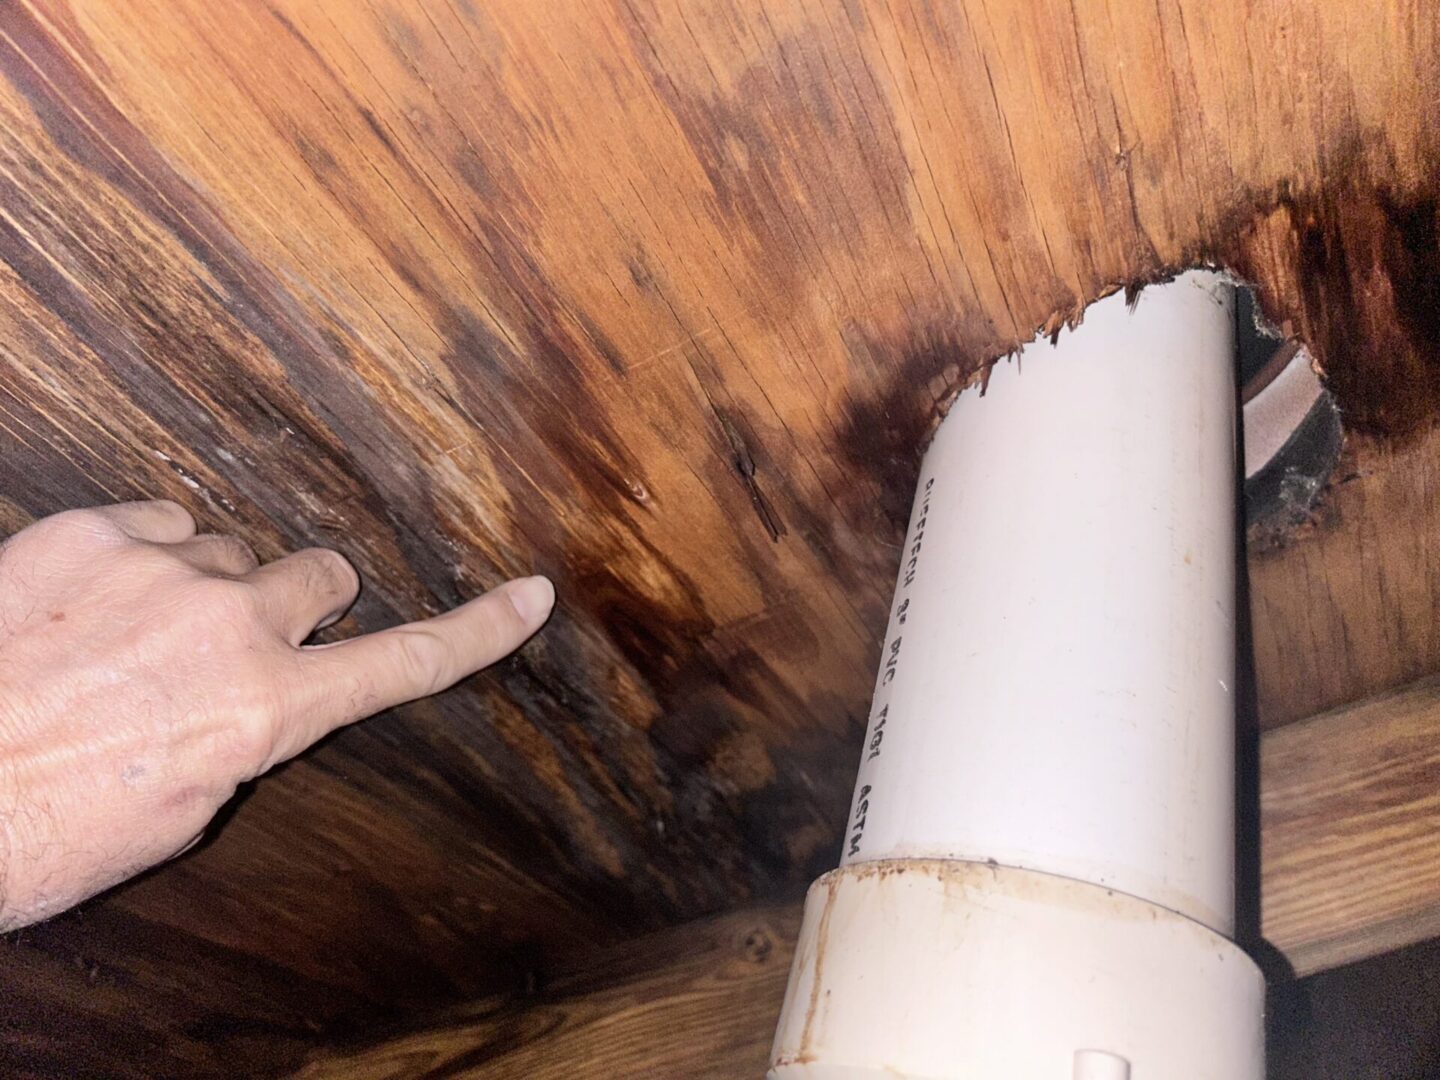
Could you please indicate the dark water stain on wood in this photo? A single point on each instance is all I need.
(1363, 295)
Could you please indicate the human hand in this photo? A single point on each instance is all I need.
(146, 671)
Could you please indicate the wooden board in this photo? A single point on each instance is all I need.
(1347, 608)
(696, 1002)
(1350, 811)
(660, 300)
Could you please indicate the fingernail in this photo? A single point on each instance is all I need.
(533, 598)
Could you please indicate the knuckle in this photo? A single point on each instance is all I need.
(251, 735)
(235, 551)
(78, 527)
(170, 509)
(170, 506)
(332, 571)
(260, 701)
(421, 656)
(496, 634)
(223, 608)
(238, 602)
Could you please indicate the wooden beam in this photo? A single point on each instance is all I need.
(1350, 830)
(696, 1001)
(1351, 868)
(1345, 610)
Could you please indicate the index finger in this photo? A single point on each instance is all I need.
(353, 679)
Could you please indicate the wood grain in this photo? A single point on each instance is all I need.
(660, 299)
(696, 1002)
(1347, 607)
(1350, 838)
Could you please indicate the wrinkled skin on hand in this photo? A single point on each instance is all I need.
(146, 671)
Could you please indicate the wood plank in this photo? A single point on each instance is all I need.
(659, 299)
(1350, 838)
(696, 1001)
(1346, 608)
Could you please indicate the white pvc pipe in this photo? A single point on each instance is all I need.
(1055, 687)
(1054, 712)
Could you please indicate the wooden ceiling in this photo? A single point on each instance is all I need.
(659, 299)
